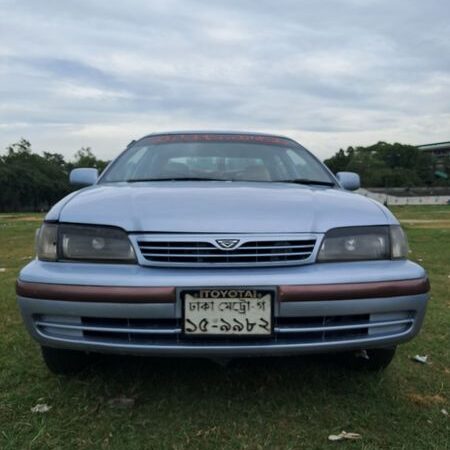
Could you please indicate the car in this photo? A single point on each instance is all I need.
(219, 245)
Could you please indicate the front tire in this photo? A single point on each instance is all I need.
(63, 361)
(374, 359)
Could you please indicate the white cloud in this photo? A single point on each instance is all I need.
(331, 74)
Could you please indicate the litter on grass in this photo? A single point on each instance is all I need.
(121, 402)
(444, 411)
(344, 435)
(40, 408)
(421, 359)
(2, 269)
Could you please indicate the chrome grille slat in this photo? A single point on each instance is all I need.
(316, 329)
(106, 329)
(387, 323)
(276, 243)
(145, 245)
(276, 247)
(251, 250)
(224, 255)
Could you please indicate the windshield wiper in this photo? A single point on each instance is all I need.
(306, 181)
(137, 180)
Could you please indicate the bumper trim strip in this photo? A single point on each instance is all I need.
(353, 291)
(110, 294)
(287, 293)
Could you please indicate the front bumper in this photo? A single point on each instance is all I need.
(128, 309)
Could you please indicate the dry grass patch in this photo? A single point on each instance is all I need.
(426, 400)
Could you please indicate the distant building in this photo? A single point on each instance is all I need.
(439, 149)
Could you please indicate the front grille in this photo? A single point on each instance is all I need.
(207, 252)
(287, 330)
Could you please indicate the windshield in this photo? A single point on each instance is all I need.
(212, 157)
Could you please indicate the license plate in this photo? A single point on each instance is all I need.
(228, 312)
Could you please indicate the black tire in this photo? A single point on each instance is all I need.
(374, 359)
(64, 362)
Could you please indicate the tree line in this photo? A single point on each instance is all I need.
(392, 165)
(32, 182)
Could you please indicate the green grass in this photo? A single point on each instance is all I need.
(289, 403)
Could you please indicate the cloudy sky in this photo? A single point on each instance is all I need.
(330, 73)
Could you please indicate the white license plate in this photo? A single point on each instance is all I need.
(238, 312)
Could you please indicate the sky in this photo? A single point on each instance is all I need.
(328, 73)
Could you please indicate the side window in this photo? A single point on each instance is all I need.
(296, 158)
(281, 172)
(130, 168)
(214, 163)
(302, 167)
(195, 163)
(242, 163)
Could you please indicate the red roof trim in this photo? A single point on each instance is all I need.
(217, 137)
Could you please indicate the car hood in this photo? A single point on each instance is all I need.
(219, 207)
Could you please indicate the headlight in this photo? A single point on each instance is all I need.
(363, 243)
(47, 242)
(399, 242)
(84, 243)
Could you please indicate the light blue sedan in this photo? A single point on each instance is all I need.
(219, 245)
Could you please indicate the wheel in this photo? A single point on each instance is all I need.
(375, 359)
(63, 361)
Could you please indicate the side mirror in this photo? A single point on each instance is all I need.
(349, 180)
(83, 177)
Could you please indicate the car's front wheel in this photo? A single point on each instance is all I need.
(372, 359)
(63, 361)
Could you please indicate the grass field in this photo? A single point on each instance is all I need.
(289, 403)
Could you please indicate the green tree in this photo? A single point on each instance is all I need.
(85, 158)
(386, 165)
(29, 181)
